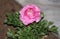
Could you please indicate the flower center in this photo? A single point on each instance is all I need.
(29, 13)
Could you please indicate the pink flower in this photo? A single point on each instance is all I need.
(29, 14)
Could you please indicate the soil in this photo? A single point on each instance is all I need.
(5, 7)
(8, 6)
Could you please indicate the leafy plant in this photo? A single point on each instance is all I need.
(31, 31)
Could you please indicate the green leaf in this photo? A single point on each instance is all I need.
(10, 33)
(42, 14)
(13, 19)
(50, 23)
(53, 29)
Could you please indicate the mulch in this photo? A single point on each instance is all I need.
(8, 6)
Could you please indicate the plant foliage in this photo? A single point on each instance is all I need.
(31, 31)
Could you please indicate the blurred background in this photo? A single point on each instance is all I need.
(51, 9)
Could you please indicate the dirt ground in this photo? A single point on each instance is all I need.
(5, 7)
(8, 6)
